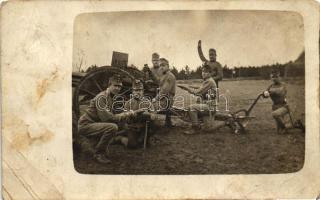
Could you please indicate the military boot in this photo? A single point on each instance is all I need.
(299, 125)
(101, 158)
(195, 129)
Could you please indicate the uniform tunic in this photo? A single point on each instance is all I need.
(279, 107)
(202, 109)
(167, 91)
(155, 74)
(101, 109)
(278, 94)
(207, 84)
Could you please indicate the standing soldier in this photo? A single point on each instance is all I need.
(155, 70)
(217, 72)
(164, 99)
(207, 93)
(100, 120)
(280, 109)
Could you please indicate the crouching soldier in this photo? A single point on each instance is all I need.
(207, 94)
(100, 120)
(136, 127)
(280, 109)
(165, 98)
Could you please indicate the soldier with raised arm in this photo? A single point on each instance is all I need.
(100, 120)
(217, 71)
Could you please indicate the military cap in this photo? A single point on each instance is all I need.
(164, 60)
(155, 56)
(213, 50)
(275, 72)
(115, 80)
(206, 68)
(137, 85)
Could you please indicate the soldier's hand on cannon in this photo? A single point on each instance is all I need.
(146, 115)
(139, 111)
(266, 94)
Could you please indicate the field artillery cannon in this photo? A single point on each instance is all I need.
(237, 121)
(86, 86)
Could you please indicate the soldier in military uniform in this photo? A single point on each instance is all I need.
(167, 90)
(100, 120)
(136, 126)
(155, 70)
(280, 110)
(207, 92)
(217, 71)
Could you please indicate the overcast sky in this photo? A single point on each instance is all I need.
(239, 37)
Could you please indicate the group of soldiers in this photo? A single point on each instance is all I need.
(103, 122)
(102, 119)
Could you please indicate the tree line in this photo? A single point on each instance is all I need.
(290, 69)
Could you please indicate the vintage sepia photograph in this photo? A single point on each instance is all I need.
(188, 92)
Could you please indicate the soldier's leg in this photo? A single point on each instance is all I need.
(164, 105)
(168, 122)
(196, 110)
(133, 137)
(287, 121)
(279, 117)
(105, 132)
(121, 136)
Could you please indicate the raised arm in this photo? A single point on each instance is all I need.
(201, 53)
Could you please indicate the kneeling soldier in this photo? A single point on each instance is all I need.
(137, 126)
(100, 119)
(206, 92)
(280, 109)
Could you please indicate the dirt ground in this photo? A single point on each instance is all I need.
(261, 150)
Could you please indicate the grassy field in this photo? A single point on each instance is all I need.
(262, 150)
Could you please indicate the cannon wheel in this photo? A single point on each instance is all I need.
(95, 82)
(137, 74)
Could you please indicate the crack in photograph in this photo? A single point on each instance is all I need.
(188, 92)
